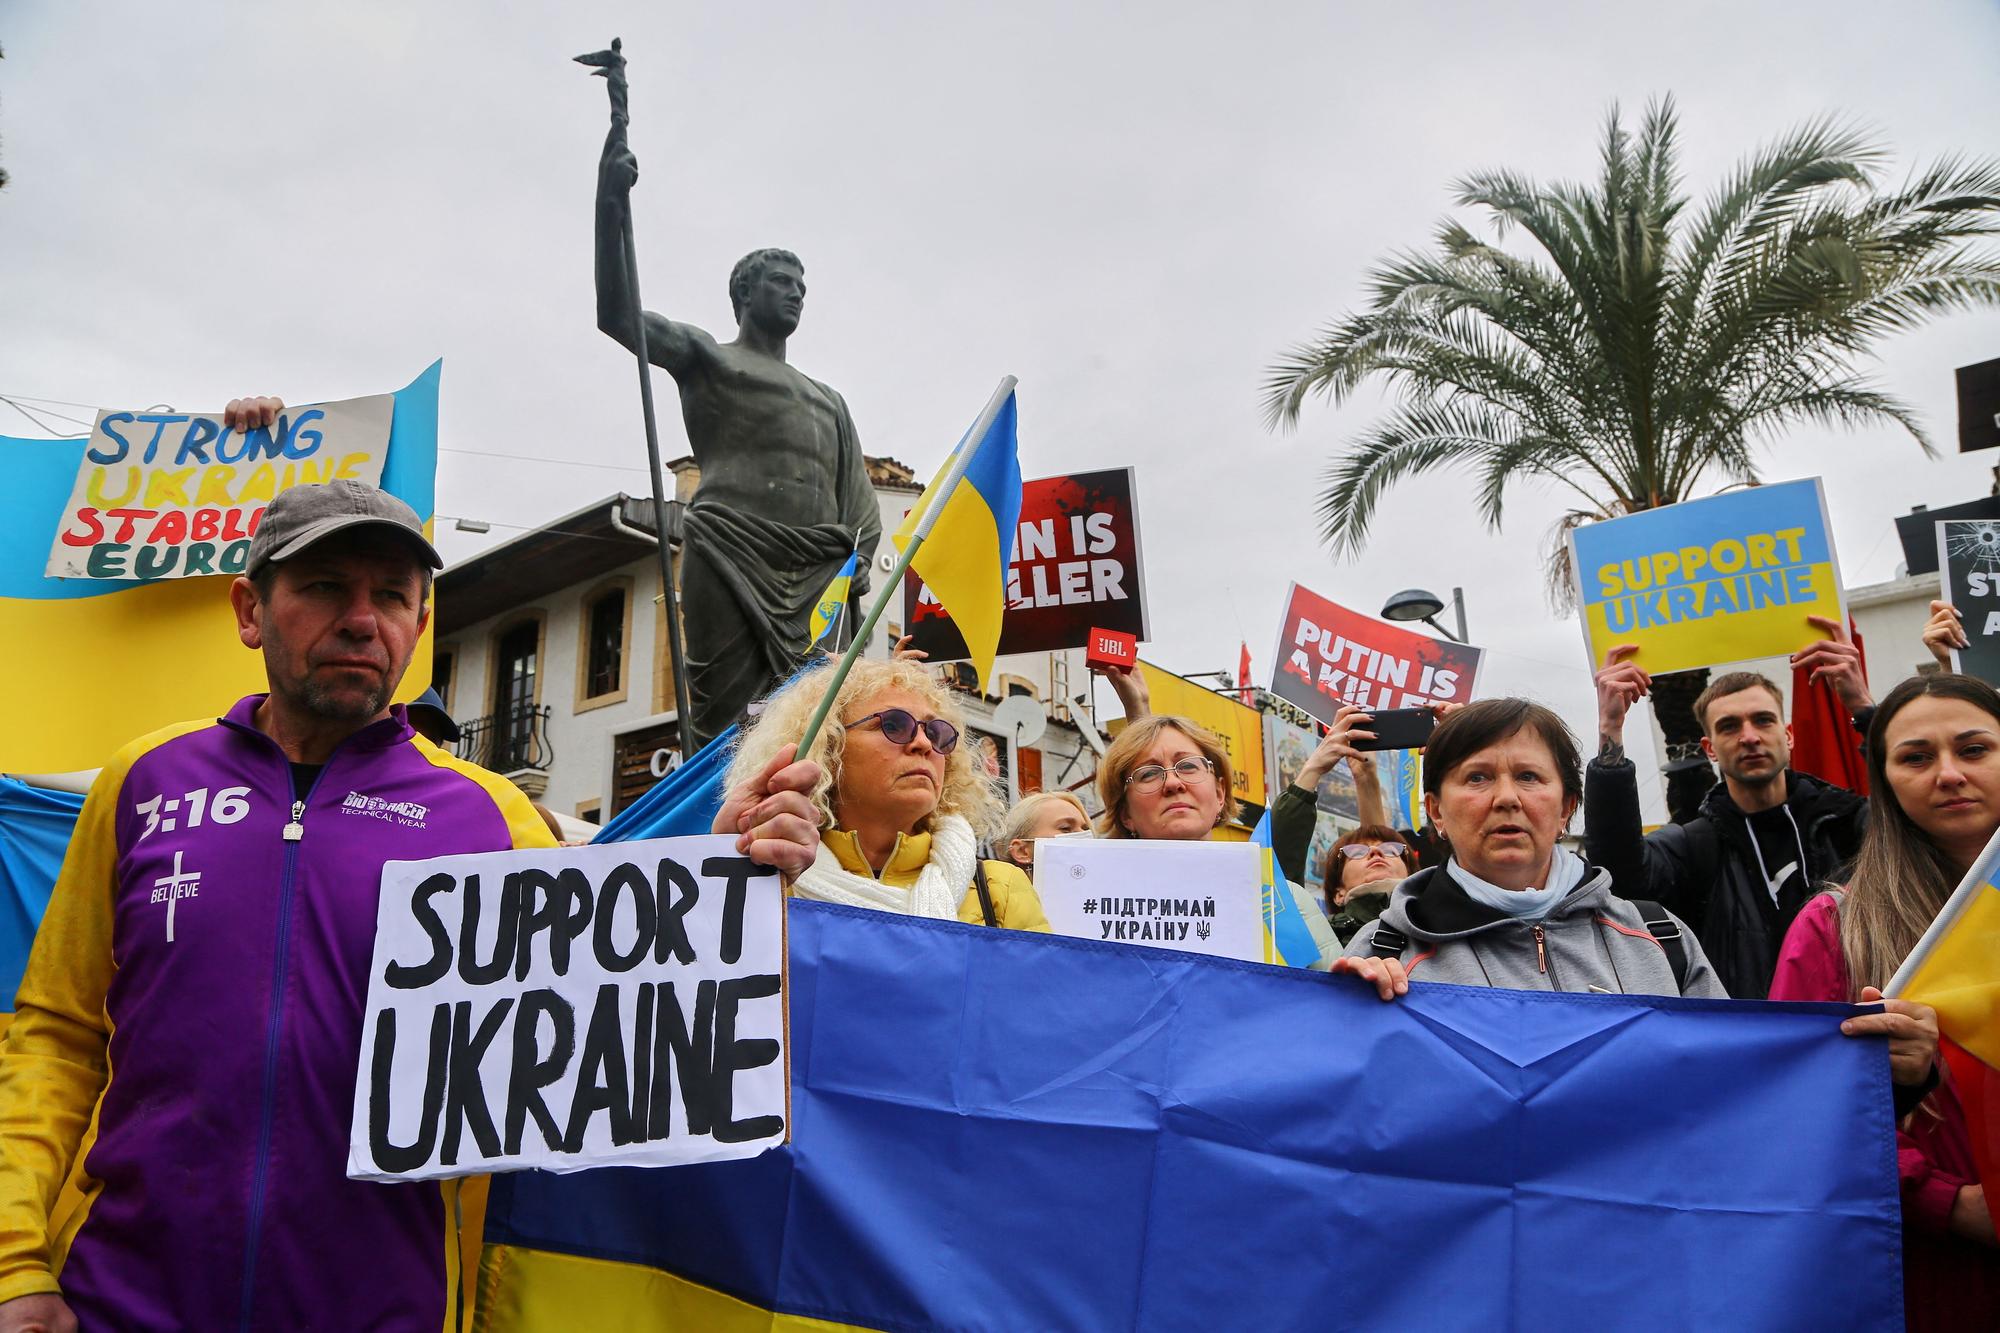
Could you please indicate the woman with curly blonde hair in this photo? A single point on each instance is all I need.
(902, 802)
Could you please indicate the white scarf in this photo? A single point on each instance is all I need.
(940, 885)
(1565, 873)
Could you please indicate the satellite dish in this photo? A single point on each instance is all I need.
(1022, 718)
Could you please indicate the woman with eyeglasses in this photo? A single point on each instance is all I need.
(1360, 872)
(902, 802)
(1169, 777)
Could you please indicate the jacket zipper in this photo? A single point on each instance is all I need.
(1543, 963)
(294, 832)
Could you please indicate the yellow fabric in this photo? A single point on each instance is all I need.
(1961, 977)
(88, 699)
(960, 561)
(536, 1291)
(1016, 905)
(524, 823)
(54, 1059)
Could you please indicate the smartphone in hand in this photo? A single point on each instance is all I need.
(1398, 729)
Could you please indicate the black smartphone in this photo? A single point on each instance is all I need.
(1398, 729)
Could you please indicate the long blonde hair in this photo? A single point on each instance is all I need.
(968, 791)
(1901, 879)
(1124, 754)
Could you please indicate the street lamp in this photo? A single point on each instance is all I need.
(1421, 604)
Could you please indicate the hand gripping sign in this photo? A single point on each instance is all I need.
(619, 1004)
(176, 494)
(1328, 656)
(1723, 579)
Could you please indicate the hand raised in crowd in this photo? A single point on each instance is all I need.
(902, 652)
(1620, 684)
(43, 1312)
(1129, 684)
(1836, 661)
(772, 814)
(1944, 631)
(252, 413)
(1349, 724)
(1912, 1031)
(1386, 975)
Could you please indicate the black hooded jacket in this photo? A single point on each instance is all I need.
(1706, 871)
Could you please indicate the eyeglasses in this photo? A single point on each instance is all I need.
(899, 727)
(1354, 851)
(1190, 770)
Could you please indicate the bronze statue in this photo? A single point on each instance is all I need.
(784, 495)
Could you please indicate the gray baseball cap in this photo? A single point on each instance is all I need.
(305, 515)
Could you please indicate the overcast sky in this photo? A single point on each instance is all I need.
(1134, 208)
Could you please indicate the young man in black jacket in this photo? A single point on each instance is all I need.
(1766, 839)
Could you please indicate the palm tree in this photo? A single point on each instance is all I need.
(1647, 349)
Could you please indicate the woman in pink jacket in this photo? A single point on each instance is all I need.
(1934, 802)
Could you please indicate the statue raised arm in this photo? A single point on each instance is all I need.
(783, 497)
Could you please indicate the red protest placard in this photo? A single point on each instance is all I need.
(1075, 569)
(1328, 655)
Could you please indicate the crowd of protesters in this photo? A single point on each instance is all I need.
(1783, 886)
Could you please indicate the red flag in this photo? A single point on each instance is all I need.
(1824, 741)
(1978, 1088)
(1245, 692)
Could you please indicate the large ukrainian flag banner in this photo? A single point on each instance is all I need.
(88, 664)
(998, 1130)
(964, 554)
(1723, 579)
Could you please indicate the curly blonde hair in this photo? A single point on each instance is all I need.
(968, 791)
(1129, 750)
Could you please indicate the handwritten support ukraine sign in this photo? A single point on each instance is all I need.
(1723, 579)
(168, 495)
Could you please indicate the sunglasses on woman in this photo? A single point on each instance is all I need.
(899, 727)
(1354, 851)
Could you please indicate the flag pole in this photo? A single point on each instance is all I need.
(938, 493)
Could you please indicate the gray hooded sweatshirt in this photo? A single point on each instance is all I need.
(1591, 941)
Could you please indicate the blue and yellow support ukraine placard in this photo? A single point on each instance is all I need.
(1723, 579)
(94, 662)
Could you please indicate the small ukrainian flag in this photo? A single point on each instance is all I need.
(963, 528)
(832, 604)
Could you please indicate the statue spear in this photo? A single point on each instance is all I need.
(610, 66)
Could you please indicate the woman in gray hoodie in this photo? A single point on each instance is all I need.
(1511, 907)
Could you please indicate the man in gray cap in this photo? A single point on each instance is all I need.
(230, 866)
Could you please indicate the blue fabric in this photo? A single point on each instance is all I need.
(998, 1130)
(684, 801)
(35, 828)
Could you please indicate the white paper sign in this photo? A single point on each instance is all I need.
(573, 1007)
(1199, 897)
(170, 495)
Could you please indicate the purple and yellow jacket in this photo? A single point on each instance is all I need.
(186, 1035)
